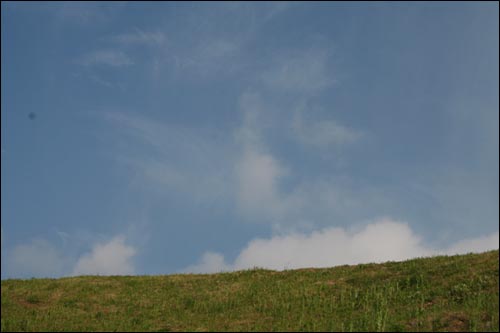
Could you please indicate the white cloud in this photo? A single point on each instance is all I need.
(36, 259)
(380, 241)
(111, 258)
(111, 58)
(210, 262)
(479, 244)
(40, 258)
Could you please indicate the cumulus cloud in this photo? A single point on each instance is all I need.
(479, 244)
(111, 58)
(35, 259)
(111, 258)
(257, 171)
(258, 174)
(380, 241)
(210, 262)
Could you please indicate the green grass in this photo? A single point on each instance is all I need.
(457, 293)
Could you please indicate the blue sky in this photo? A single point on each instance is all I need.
(200, 137)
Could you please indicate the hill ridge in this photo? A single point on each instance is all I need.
(441, 293)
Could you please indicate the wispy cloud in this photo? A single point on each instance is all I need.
(111, 258)
(257, 171)
(184, 160)
(216, 43)
(86, 14)
(379, 241)
(111, 58)
(217, 49)
(243, 171)
(208, 58)
(323, 133)
(139, 37)
(82, 13)
(305, 72)
(260, 174)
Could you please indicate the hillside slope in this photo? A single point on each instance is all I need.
(457, 293)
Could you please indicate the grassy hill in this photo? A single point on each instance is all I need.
(457, 293)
